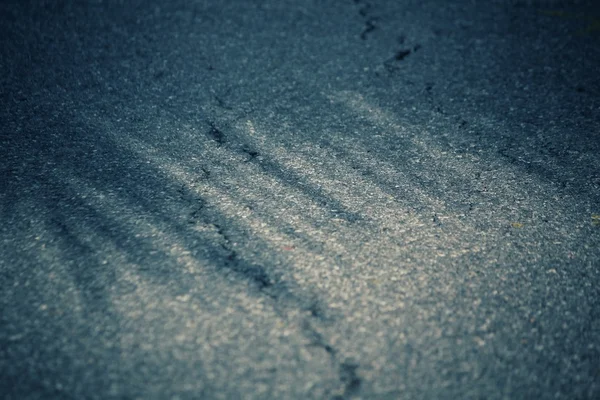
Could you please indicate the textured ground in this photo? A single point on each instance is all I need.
(299, 199)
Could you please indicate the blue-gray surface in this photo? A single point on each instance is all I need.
(299, 199)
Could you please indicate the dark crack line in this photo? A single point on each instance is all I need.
(391, 63)
(283, 298)
(221, 103)
(252, 154)
(336, 210)
(220, 99)
(255, 273)
(369, 27)
(364, 11)
(216, 134)
(317, 340)
(349, 378)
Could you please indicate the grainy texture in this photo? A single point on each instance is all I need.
(299, 199)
